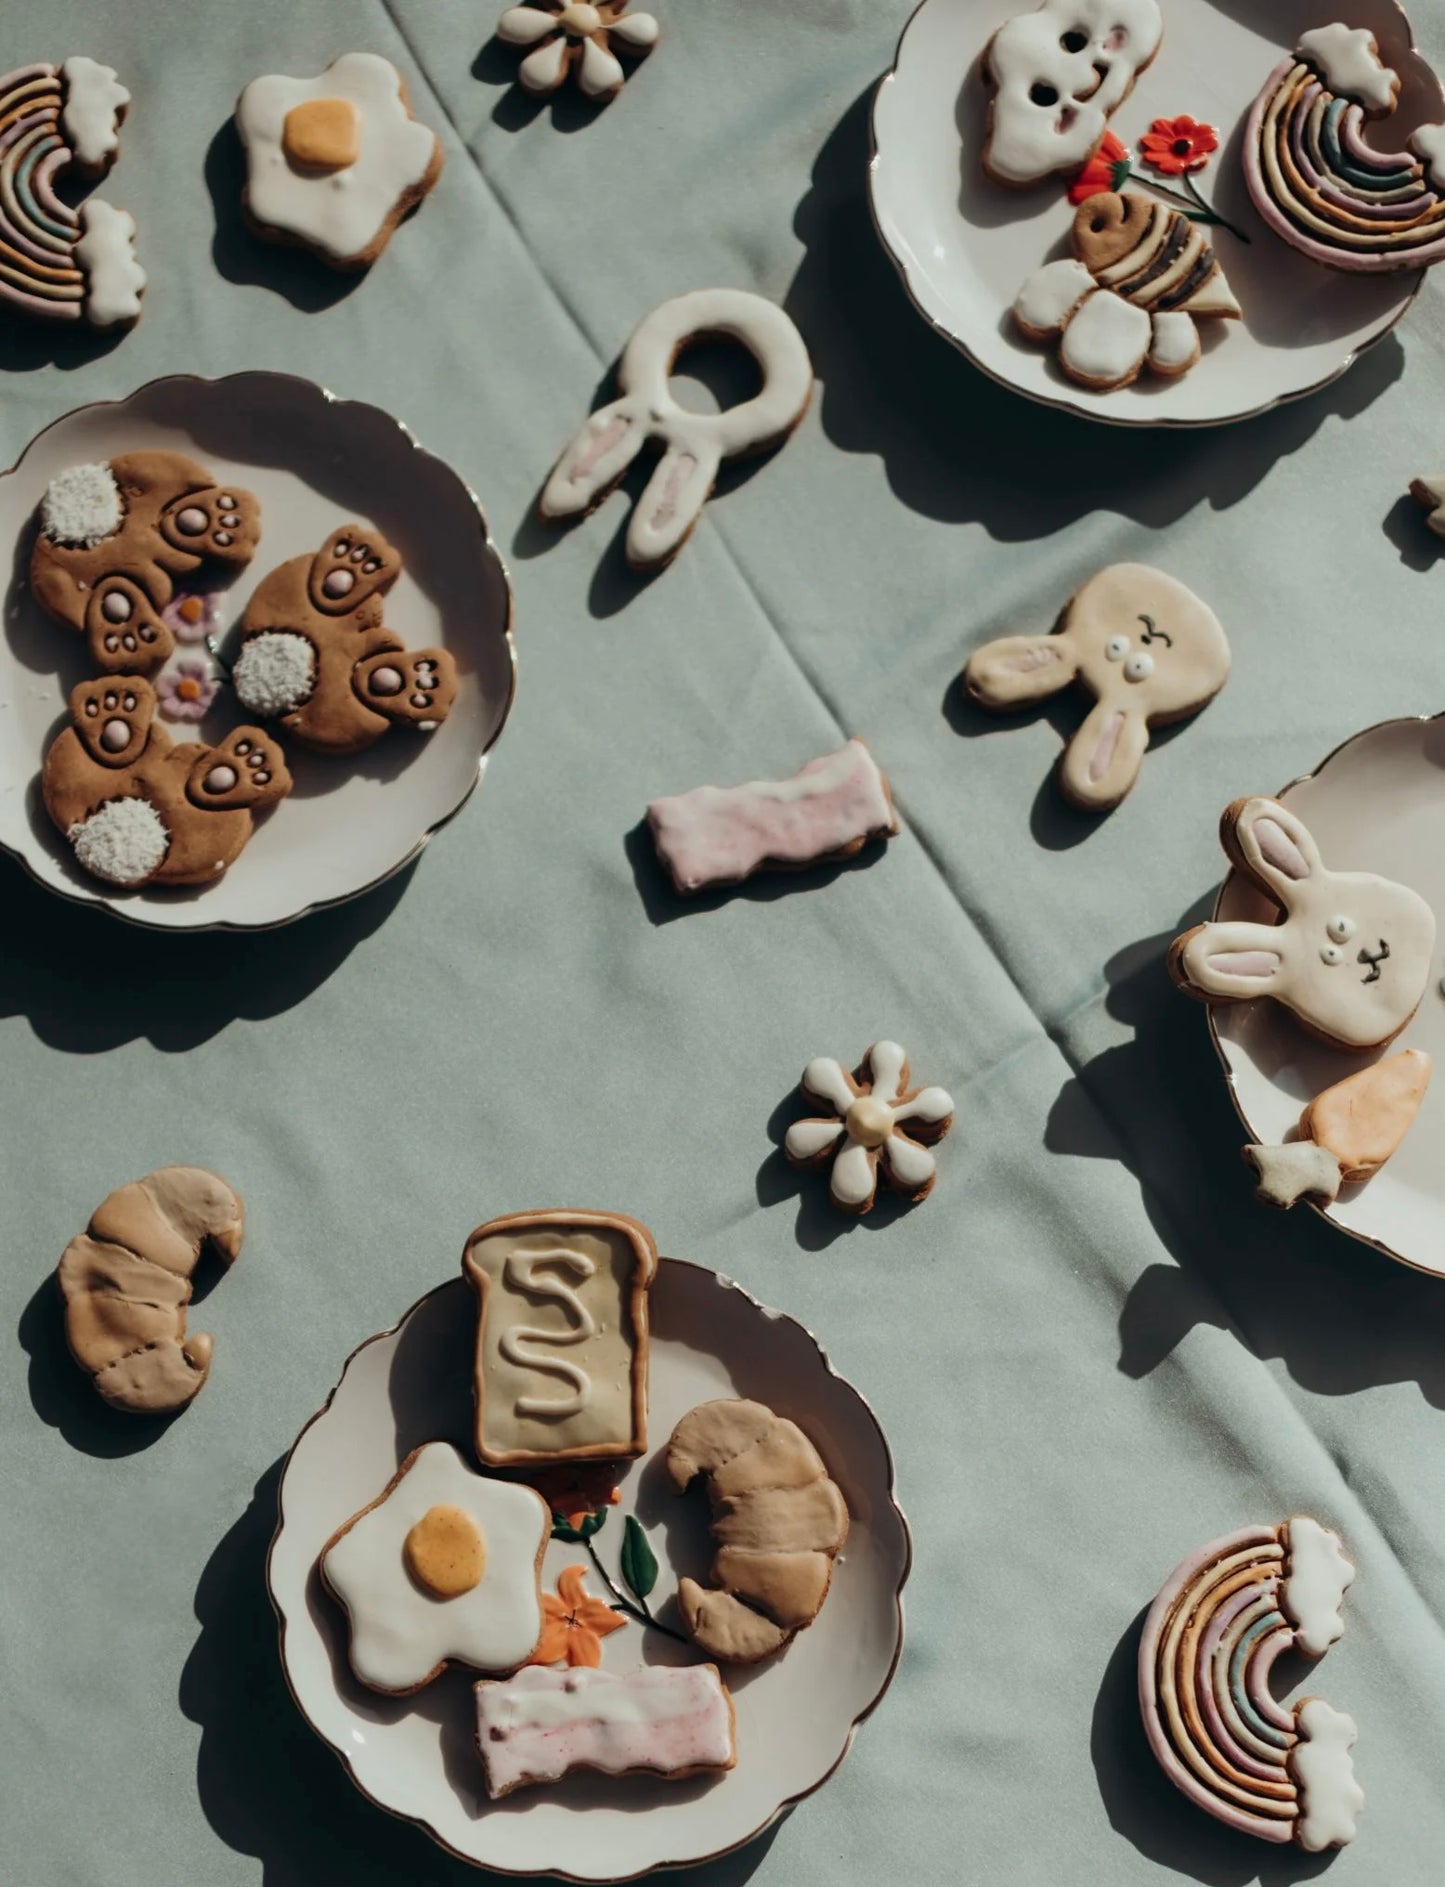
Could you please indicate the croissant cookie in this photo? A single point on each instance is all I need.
(778, 1520)
(126, 1281)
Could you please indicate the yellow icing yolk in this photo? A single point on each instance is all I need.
(322, 134)
(445, 1552)
(869, 1122)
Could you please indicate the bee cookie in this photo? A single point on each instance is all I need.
(778, 1520)
(316, 658)
(139, 810)
(1281, 1772)
(694, 445)
(1148, 651)
(334, 163)
(126, 1281)
(1346, 1134)
(443, 1567)
(115, 536)
(1141, 276)
(1351, 955)
(562, 1336)
(59, 261)
(1057, 76)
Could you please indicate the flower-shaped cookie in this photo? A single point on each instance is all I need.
(871, 1108)
(444, 1564)
(335, 162)
(566, 37)
(186, 691)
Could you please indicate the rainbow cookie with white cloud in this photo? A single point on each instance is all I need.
(1318, 182)
(1281, 1772)
(57, 261)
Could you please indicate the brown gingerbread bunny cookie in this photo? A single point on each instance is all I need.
(114, 537)
(316, 657)
(126, 1281)
(139, 809)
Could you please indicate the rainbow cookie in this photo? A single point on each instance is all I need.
(57, 261)
(1317, 182)
(1283, 1773)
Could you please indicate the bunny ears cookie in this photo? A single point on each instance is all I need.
(1351, 955)
(1147, 649)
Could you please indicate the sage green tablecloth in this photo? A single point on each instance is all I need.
(1090, 1349)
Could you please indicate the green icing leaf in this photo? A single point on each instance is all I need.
(562, 1528)
(594, 1523)
(1123, 170)
(639, 1562)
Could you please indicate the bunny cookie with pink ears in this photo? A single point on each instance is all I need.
(1351, 955)
(1143, 645)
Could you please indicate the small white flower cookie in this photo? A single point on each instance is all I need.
(334, 163)
(1147, 649)
(443, 1566)
(1351, 955)
(567, 36)
(865, 1140)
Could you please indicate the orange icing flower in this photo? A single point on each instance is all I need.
(577, 1489)
(1176, 145)
(1098, 173)
(576, 1623)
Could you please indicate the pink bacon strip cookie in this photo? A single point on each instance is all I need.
(542, 1723)
(719, 835)
(1283, 1773)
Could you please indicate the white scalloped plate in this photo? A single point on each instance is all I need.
(796, 1714)
(315, 462)
(965, 245)
(1375, 804)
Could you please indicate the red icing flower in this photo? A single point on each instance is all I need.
(1099, 173)
(1175, 145)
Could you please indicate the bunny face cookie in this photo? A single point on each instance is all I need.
(114, 537)
(316, 657)
(1146, 648)
(137, 809)
(1351, 956)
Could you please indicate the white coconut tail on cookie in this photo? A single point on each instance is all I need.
(274, 673)
(125, 842)
(82, 506)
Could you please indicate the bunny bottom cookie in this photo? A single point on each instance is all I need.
(1351, 955)
(137, 809)
(1145, 647)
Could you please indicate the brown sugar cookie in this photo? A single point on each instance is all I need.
(140, 810)
(316, 657)
(114, 537)
(778, 1520)
(126, 1281)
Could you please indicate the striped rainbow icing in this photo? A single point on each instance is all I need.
(1315, 179)
(1219, 1733)
(55, 260)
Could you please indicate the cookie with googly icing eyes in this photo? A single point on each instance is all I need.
(113, 537)
(1057, 75)
(443, 1567)
(59, 260)
(334, 163)
(1146, 648)
(317, 658)
(139, 810)
(1351, 953)
(694, 445)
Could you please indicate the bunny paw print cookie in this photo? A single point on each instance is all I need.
(139, 810)
(316, 657)
(1351, 955)
(1146, 648)
(114, 537)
